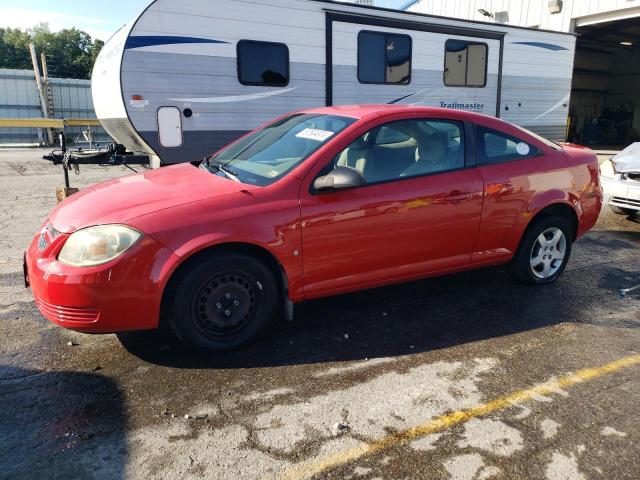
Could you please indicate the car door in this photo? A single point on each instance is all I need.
(417, 213)
(514, 171)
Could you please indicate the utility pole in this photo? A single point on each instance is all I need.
(41, 93)
(46, 85)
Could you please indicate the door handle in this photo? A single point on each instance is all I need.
(499, 188)
(456, 196)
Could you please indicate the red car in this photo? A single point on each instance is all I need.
(316, 203)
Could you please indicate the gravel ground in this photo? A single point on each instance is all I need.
(382, 384)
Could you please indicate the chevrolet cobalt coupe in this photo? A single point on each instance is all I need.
(316, 203)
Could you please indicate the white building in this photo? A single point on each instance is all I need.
(605, 98)
(560, 15)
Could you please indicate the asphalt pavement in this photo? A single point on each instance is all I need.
(466, 376)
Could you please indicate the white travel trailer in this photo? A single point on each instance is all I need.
(185, 78)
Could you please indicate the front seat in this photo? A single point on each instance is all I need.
(431, 157)
(355, 155)
(454, 157)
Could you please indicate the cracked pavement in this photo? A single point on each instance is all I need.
(349, 371)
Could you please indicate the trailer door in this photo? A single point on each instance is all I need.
(169, 127)
(373, 60)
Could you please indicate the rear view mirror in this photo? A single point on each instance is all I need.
(339, 178)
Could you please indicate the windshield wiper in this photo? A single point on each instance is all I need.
(226, 171)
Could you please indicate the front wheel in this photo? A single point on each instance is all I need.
(543, 252)
(222, 302)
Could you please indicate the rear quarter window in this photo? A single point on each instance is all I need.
(498, 147)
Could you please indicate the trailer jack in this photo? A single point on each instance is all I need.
(66, 191)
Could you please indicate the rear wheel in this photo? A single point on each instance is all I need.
(543, 252)
(622, 211)
(223, 302)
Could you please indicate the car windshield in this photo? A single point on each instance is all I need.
(264, 156)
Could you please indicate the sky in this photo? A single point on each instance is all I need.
(99, 18)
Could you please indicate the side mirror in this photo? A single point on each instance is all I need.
(339, 178)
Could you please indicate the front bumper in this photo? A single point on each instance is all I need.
(121, 295)
(621, 193)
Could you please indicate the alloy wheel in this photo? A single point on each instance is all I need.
(548, 252)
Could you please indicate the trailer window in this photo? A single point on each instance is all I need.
(465, 64)
(263, 63)
(384, 58)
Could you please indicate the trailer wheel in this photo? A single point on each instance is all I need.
(543, 252)
(622, 211)
(223, 302)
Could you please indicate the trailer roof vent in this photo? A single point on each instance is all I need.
(555, 6)
(502, 17)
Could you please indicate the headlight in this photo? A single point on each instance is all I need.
(607, 170)
(97, 245)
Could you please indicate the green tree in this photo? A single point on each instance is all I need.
(95, 50)
(14, 48)
(70, 53)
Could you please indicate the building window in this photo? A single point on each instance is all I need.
(263, 63)
(465, 64)
(384, 58)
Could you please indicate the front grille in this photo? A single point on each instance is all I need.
(48, 235)
(42, 242)
(53, 233)
(634, 176)
(626, 202)
(67, 314)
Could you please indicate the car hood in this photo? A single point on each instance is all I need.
(628, 160)
(125, 198)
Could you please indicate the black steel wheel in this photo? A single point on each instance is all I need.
(225, 304)
(223, 301)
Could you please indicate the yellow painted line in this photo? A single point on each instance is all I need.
(449, 420)
(47, 122)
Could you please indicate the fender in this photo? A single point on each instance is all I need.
(291, 270)
(541, 199)
(548, 198)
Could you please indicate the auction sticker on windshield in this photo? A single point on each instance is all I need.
(314, 134)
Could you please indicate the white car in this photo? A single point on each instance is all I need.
(620, 178)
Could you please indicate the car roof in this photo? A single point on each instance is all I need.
(363, 111)
(382, 111)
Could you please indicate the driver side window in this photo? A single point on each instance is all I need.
(405, 148)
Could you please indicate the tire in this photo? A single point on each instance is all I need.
(554, 260)
(222, 302)
(622, 211)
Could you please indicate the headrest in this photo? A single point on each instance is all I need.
(495, 143)
(433, 148)
(359, 143)
(441, 136)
